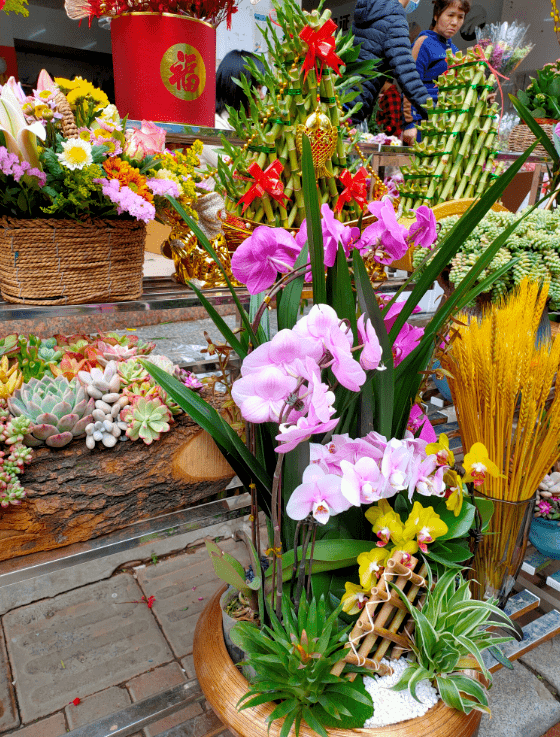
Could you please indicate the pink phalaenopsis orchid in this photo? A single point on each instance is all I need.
(261, 396)
(386, 238)
(319, 495)
(405, 342)
(370, 357)
(419, 424)
(292, 435)
(362, 482)
(423, 232)
(395, 465)
(334, 233)
(282, 351)
(260, 257)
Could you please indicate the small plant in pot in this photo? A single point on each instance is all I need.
(545, 527)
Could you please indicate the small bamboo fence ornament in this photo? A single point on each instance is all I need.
(384, 625)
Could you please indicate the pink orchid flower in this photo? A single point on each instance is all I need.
(370, 357)
(260, 257)
(282, 351)
(390, 314)
(406, 341)
(385, 237)
(395, 464)
(423, 233)
(292, 435)
(362, 482)
(418, 421)
(261, 396)
(334, 232)
(317, 394)
(319, 494)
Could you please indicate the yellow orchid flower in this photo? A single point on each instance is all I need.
(371, 565)
(10, 378)
(385, 521)
(355, 598)
(408, 546)
(441, 449)
(20, 138)
(454, 501)
(477, 465)
(424, 524)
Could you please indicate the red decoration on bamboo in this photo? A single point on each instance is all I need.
(355, 188)
(266, 182)
(321, 45)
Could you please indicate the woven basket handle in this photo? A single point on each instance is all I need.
(68, 122)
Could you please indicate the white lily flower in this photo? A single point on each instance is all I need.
(21, 138)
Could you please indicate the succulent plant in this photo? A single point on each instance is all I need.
(14, 429)
(114, 352)
(59, 410)
(164, 363)
(146, 419)
(34, 356)
(70, 365)
(132, 372)
(104, 384)
(48, 351)
(10, 378)
(14, 456)
(127, 341)
(9, 345)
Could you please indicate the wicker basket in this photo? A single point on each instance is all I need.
(56, 262)
(522, 137)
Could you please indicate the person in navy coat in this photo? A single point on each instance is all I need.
(380, 26)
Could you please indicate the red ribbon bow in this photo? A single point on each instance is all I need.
(321, 45)
(266, 182)
(355, 188)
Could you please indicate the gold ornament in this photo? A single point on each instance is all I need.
(323, 137)
(192, 263)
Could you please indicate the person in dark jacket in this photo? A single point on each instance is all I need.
(380, 26)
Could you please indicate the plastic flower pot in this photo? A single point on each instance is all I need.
(223, 685)
(544, 535)
(164, 67)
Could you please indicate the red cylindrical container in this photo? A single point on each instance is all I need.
(164, 68)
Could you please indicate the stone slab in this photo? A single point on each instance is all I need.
(182, 587)
(54, 726)
(9, 717)
(521, 705)
(99, 705)
(158, 680)
(81, 642)
(57, 582)
(545, 660)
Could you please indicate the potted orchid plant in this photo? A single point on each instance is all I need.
(345, 465)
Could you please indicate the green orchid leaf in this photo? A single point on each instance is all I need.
(290, 297)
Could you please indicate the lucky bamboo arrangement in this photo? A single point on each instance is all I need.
(504, 387)
(455, 158)
(312, 75)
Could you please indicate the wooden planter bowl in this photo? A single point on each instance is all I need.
(223, 685)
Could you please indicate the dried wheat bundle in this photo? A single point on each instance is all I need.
(504, 389)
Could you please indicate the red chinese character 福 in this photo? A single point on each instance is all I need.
(183, 73)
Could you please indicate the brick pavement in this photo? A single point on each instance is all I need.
(92, 643)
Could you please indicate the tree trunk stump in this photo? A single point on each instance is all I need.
(76, 494)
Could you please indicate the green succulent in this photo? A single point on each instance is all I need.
(59, 410)
(292, 661)
(450, 634)
(132, 372)
(35, 355)
(147, 419)
(9, 345)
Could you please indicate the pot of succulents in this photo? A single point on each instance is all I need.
(76, 193)
(361, 502)
(544, 534)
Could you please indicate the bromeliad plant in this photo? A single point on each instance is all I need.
(347, 375)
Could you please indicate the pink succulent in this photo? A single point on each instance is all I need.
(319, 494)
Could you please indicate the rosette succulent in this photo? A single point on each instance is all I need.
(59, 410)
(114, 352)
(132, 372)
(146, 419)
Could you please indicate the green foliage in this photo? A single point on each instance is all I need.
(230, 570)
(292, 660)
(541, 97)
(74, 193)
(34, 356)
(533, 251)
(450, 634)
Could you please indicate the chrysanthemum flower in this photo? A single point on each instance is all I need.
(128, 176)
(76, 154)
